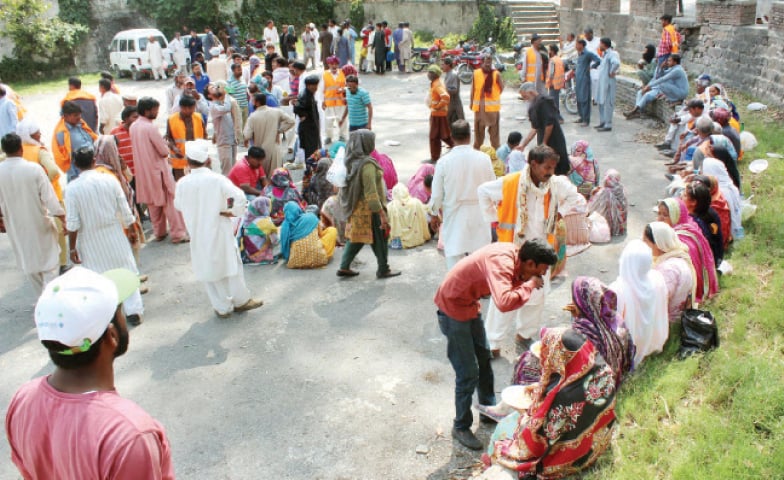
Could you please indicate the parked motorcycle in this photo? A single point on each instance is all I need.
(468, 62)
(424, 57)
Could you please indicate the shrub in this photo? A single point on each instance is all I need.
(487, 25)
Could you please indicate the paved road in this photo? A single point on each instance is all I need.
(331, 379)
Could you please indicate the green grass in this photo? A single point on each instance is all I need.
(59, 83)
(720, 415)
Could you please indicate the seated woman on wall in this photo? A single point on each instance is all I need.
(671, 259)
(257, 235)
(280, 191)
(302, 242)
(408, 221)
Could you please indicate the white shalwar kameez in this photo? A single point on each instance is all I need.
(155, 52)
(97, 209)
(201, 196)
(455, 182)
(528, 319)
(28, 203)
(593, 47)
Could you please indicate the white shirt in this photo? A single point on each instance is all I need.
(455, 182)
(271, 37)
(593, 45)
(155, 52)
(110, 107)
(216, 69)
(201, 196)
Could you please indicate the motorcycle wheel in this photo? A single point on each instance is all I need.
(416, 63)
(464, 73)
(570, 101)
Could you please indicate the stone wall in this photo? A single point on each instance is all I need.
(653, 8)
(727, 12)
(602, 5)
(743, 57)
(626, 96)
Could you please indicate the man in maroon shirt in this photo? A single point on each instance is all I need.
(509, 275)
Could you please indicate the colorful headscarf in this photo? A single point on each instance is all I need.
(666, 240)
(361, 144)
(584, 166)
(611, 202)
(416, 185)
(107, 155)
(296, 225)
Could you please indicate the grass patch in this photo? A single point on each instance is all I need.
(58, 83)
(719, 415)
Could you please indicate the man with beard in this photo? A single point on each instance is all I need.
(91, 431)
(307, 111)
(545, 125)
(486, 91)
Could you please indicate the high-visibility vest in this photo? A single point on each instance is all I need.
(507, 209)
(332, 94)
(30, 153)
(675, 38)
(177, 129)
(558, 78)
(493, 101)
(61, 143)
(531, 59)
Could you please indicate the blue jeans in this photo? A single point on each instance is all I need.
(644, 99)
(469, 354)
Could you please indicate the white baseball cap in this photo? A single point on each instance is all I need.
(197, 150)
(76, 308)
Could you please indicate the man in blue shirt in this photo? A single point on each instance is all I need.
(359, 109)
(8, 117)
(200, 80)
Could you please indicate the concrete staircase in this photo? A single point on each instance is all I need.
(534, 16)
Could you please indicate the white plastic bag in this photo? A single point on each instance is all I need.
(747, 141)
(747, 209)
(600, 229)
(299, 157)
(756, 107)
(336, 175)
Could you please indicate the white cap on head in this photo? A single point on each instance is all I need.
(215, 51)
(197, 150)
(76, 307)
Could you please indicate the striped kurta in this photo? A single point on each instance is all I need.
(96, 207)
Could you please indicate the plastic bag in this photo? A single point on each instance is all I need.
(756, 107)
(336, 175)
(299, 157)
(747, 141)
(600, 229)
(747, 209)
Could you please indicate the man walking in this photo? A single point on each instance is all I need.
(454, 191)
(96, 213)
(405, 46)
(486, 92)
(157, 59)
(306, 109)
(207, 201)
(154, 180)
(359, 108)
(556, 78)
(533, 69)
(439, 107)
(110, 106)
(8, 113)
(265, 127)
(70, 134)
(510, 276)
(177, 49)
(605, 93)
(452, 83)
(27, 204)
(545, 126)
(224, 135)
(91, 431)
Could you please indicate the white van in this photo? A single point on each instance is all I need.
(128, 52)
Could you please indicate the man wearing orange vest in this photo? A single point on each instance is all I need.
(181, 127)
(439, 105)
(533, 68)
(525, 216)
(486, 92)
(334, 105)
(86, 102)
(70, 134)
(556, 78)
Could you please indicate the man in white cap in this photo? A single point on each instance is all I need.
(216, 66)
(90, 431)
(96, 210)
(207, 201)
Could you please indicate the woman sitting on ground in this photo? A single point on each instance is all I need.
(408, 220)
(671, 259)
(697, 198)
(319, 189)
(499, 168)
(642, 300)
(554, 438)
(280, 191)
(417, 185)
(331, 215)
(390, 174)
(673, 212)
(715, 169)
(257, 235)
(585, 169)
(302, 242)
(611, 203)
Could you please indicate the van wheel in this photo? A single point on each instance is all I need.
(136, 75)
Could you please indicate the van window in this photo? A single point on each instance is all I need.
(123, 45)
(131, 47)
(115, 45)
(143, 44)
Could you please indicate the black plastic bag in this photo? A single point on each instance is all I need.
(699, 332)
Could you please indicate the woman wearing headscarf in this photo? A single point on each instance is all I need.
(257, 235)
(719, 205)
(674, 213)
(303, 244)
(416, 185)
(319, 188)
(407, 219)
(390, 174)
(290, 40)
(671, 259)
(647, 64)
(280, 191)
(642, 300)
(697, 198)
(715, 168)
(570, 422)
(585, 169)
(611, 203)
(363, 202)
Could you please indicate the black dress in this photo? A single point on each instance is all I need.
(309, 133)
(543, 113)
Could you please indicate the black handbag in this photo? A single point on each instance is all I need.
(699, 332)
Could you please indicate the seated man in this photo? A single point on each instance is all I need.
(695, 110)
(673, 84)
(683, 116)
(248, 174)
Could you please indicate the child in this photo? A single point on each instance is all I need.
(585, 170)
(512, 141)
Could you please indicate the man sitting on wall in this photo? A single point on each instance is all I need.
(672, 84)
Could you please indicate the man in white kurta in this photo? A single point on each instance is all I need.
(157, 59)
(207, 201)
(27, 207)
(537, 180)
(177, 49)
(454, 192)
(96, 212)
(405, 46)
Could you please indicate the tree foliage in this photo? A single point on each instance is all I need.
(172, 15)
(487, 25)
(38, 37)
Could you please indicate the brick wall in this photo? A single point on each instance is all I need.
(653, 8)
(776, 17)
(571, 4)
(725, 12)
(602, 5)
(626, 95)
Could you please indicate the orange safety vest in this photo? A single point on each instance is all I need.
(333, 96)
(558, 79)
(30, 153)
(675, 38)
(507, 209)
(493, 102)
(177, 130)
(531, 57)
(61, 143)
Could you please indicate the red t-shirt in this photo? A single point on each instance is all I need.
(242, 173)
(124, 146)
(87, 435)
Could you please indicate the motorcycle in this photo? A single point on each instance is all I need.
(424, 57)
(468, 62)
(568, 93)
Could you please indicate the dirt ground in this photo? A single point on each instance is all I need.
(331, 379)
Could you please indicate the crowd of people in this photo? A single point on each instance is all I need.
(505, 220)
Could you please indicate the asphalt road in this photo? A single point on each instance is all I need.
(331, 379)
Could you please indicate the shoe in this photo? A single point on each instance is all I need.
(144, 289)
(181, 240)
(633, 114)
(249, 305)
(389, 274)
(134, 320)
(669, 176)
(347, 273)
(495, 353)
(662, 146)
(605, 129)
(667, 153)
(579, 120)
(222, 315)
(523, 342)
(467, 439)
(599, 127)
(143, 278)
(161, 238)
(586, 124)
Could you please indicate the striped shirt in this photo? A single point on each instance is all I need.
(239, 91)
(357, 107)
(123, 137)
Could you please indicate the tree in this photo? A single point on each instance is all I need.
(487, 25)
(38, 37)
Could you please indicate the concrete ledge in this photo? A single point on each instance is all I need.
(627, 93)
